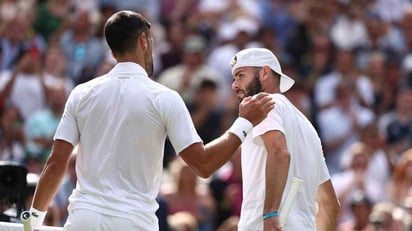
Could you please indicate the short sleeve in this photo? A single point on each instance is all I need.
(323, 170)
(68, 129)
(180, 129)
(273, 122)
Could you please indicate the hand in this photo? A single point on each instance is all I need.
(272, 224)
(256, 108)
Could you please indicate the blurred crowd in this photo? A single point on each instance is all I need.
(351, 60)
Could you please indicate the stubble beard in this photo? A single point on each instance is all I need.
(254, 87)
(148, 63)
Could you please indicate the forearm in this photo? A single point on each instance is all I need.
(277, 167)
(213, 155)
(48, 185)
(328, 207)
(325, 221)
(206, 159)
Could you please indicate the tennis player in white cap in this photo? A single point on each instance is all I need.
(284, 148)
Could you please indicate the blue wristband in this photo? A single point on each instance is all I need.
(270, 214)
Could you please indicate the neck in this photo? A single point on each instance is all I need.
(272, 89)
(132, 59)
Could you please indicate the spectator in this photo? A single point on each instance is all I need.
(348, 21)
(361, 208)
(392, 11)
(205, 110)
(234, 35)
(226, 187)
(23, 86)
(41, 126)
(401, 185)
(396, 125)
(312, 20)
(84, 51)
(350, 116)
(382, 92)
(12, 135)
(55, 69)
(171, 52)
(13, 42)
(162, 213)
(381, 217)
(51, 18)
(186, 77)
(354, 179)
(188, 195)
(379, 167)
(344, 69)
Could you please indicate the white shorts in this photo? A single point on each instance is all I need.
(87, 220)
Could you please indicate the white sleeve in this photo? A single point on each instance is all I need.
(68, 129)
(273, 122)
(323, 170)
(180, 129)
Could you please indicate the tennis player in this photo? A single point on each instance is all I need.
(120, 122)
(283, 146)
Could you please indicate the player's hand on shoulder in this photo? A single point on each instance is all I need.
(256, 108)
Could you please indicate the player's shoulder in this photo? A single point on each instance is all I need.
(163, 93)
(89, 84)
(279, 98)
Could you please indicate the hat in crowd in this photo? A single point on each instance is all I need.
(259, 57)
(194, 43)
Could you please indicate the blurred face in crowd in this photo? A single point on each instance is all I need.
(344, 62)
(404, 101)
(81, 23)
(57, 98)
(55, 62)
(16, 30)
(360, 161)
(30, 62)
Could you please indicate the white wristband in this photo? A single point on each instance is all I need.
(241, 127)
(37, 218)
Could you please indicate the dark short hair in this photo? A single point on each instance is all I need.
(122, 29)
(207, 84)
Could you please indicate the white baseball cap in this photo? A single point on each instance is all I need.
(259, 57)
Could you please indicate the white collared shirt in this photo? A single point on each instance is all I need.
(307, 163)
(120, 121)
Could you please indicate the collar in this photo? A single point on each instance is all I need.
(128, 68)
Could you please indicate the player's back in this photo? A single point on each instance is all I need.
(121, 121)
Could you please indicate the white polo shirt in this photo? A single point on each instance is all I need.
(120, 121)
(307, 163)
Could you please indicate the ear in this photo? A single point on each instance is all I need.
(143, 41)
(265, 73)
